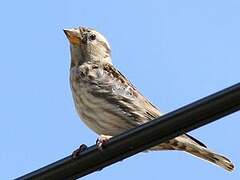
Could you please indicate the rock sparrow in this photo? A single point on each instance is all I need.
(107, 101)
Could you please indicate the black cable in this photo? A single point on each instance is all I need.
(143, 137)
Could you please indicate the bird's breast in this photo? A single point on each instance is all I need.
(97, 113)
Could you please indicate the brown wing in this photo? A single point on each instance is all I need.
(119, 91)
(127, 102)
(151, 110)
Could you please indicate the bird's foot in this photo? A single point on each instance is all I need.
(78, 151)
(102, 140)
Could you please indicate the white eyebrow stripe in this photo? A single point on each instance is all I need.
(103, 39)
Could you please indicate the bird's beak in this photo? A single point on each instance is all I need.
(73, 35)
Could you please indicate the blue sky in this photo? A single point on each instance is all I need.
(175, 52)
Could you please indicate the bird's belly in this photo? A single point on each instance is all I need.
(98, 114)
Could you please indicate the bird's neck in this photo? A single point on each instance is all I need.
(77, 58)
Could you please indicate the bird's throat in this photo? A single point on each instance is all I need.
(77, 58)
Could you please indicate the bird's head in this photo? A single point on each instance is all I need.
(88, 45)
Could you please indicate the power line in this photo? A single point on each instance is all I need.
(175, 123)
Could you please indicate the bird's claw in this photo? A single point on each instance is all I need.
(78, 151)
(101, 141)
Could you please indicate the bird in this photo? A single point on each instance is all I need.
(109, 104)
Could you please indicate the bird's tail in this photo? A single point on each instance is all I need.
(194, 147)
(210, 156)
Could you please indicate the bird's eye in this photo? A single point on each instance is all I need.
(92, 37)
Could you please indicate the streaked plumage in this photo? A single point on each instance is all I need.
(108, 103)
